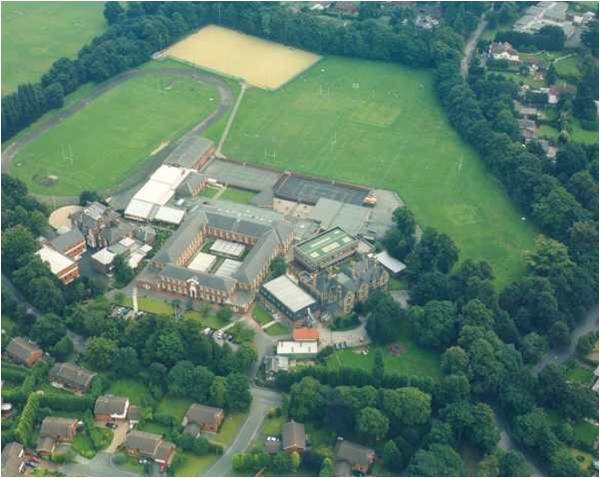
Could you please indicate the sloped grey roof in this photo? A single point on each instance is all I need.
(187, 152)
(64, 242)
(57, 427)
(203, 279)
(255, 260)
(192, 429)
(110, 405)
(11, 459)
(236, 224)
(164, 450)
(191, 183)
(147, 443)
(202, 414)
(71, 375)
(20, 348)
(293, 435)
(353, 453)
(45, 444)
(181, 238)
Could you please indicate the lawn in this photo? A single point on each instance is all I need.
(153, 427)
(173, 406)
(272, 426)
(261, 315)
(84, 446)
(209, 192)
(413, 361)
(35, 34)
(135, 391)
(194, 465)
(277, 329)
(581, 135)
(229, 428)
(585, 432)
(584, 459)
(237, 195)
(578, 373)
(548, 132)
(128, 123)
(568, 67)
(161, 307)
(380, 124)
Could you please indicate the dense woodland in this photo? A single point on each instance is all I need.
(487, 338)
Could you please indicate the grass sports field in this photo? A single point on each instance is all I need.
(259, 62)
(35, 34)
(381, 125)
(100, 145)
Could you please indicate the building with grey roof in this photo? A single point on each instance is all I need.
(71, 243)
(201, 418)
(23, 351)
(357, 457)
(13, 461)
(111, 407)
(265, 235)
(288, 298)
(340, 289)
(191, 152)
(192, 185)
(53, 431)
(149, 445)
(293, 437)
(350, 217)
(71, 376)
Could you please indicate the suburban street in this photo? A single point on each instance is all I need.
(262, 400)
(100, 465)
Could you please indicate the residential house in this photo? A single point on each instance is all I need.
(150, 446)
(55, 430)
(23, 351)
(111, 407)
(70, 244)
(13, 462)
(553, 95)
(68, 375)
(293, 437)
(351, 457)
(504, 51)
(201, 418)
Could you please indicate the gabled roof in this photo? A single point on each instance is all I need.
(12, 459)
(293, 435)
(21, 349)
(45, 444)
(147, 443)
(205, 280)
(111, 405)
(190, 183)
(71, 375)
(66, 241)
(202, 414)
(254, 262)
(353, 453)
(189, 150)
(57, 427)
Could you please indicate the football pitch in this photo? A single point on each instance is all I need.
(380, 124)
(35, 34)
(100, 145)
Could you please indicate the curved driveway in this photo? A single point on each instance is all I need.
(225, 104)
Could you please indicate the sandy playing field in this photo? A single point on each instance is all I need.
(60, 217)
(259, 62)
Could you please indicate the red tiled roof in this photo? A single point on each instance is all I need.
(305, 333)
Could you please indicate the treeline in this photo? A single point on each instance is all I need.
(142, 28)
(24, 219)
(170, 356)
(550, 38)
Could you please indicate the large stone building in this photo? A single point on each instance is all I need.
(173, 269)
(100, 225)
(338, 291)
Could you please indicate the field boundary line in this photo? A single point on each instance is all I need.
(243, 89)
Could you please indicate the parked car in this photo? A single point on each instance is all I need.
(31, 464)
(112, 425)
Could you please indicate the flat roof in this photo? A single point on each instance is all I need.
(228, 247)
(288, 293)
(331, 213)
(390, 262)
(228, 268)
(171, 215)
(104, 256)
(202, 262)
(325, 243)
(57, 261)
(135, 259)
(291, 347)
(139, 208)
(154, 192)
(170, 175)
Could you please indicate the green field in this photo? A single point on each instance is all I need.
(173, 406)
(277, 329)
(381, 125)
(261, 315)
(36, 34)
(107, 140)
(237, 195)
(568, 67)
(135, 391)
